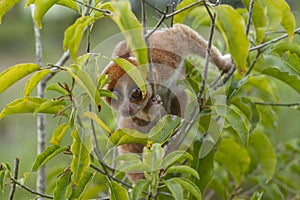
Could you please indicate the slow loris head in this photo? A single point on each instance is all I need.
(130, 98)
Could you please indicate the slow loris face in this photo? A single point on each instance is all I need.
(130, 98)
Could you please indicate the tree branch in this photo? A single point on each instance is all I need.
(250, 16)
(16, 172)
(30, 190)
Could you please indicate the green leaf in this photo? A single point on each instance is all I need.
(127, 136)
(41, 8)
(153, 157)
(68, 4)
(74, 33)
(182, 169)
(49, 104)
(15, 73)
(5, 6)
(236, 119)
(97, 119)
(86, 82)
(134, 72)
(281, 70)
(234, 157)
(58, 134)
(117, 191)
(33, 81)
(175, 156)
(21, 106)
(188, 186)
(259, 19)
(164, 129)
(132, 31)
(62, 183)
(85, 180)
(81, 149)
(180, 17)
(49, 153)
(265, 153)
(175, 188)
(232, 26)
(138, 189)
(55, 87)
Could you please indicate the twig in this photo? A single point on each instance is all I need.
(250, 16)
(30, 190)
(183, 9)
(41, 118)
(16, 172)
(277, 104)
(296, 31)
(207, 55)
(105, 12)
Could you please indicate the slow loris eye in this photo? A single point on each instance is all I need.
(136, 94)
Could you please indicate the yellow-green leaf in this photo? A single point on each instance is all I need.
(134, 72)
(86, 82)
(69, 4)
(61, 185)
(5, 6)
(41, 8)
(128, 136)
(58, 133)
(182, 169)
(117, 191)
(188, 186)
(97, 119)
(180, 17)
(74, 33)
(232, 26)
(81, 149)
(131, 29)
(15, 73)
(49, 104)
(234, 157)
(46, 155)
(264, 152)
(33, 81)
(78, 191)
(21, 106)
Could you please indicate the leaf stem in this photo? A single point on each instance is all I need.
(16, 172)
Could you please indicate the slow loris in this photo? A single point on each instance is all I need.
(168, 48)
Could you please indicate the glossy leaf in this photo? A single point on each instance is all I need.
(134, 72)
(97, 119)
(58, 134)
(41, 8)
(188, 186)
(175, 156)
(117, 191)
(81, 149)
(74, 33)
(68, 4)
(236, 119)
(20, 106)
(132, 31)
(49, 104)
(175, 188)
(5, 6)
(182, 169)
(232, 26)
(55, 87)
(127, 136)
(85, 180)
(153, 157)
(234, 157)
(164, 129)
(265, 153)
(180, 17)
(49, 153)
(139, 188)
(62, 183)
(86, 82)
(13, 74)
(33, 81)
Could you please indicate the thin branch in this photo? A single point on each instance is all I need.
(250, 16)
(277, 104)
(183, 9)
(30, 190)
(105, 12)
(16, 172)
(41, 118)
(296, 31)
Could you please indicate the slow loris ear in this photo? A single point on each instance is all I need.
(121, 50)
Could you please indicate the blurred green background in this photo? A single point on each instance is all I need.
(18, 132)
